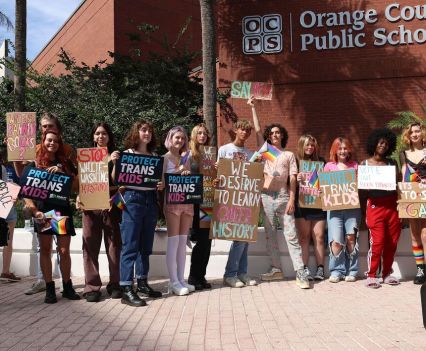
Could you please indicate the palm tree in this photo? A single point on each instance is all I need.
(20, 54)
(209, 67)
(5, 21)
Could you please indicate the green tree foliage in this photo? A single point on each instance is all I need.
(119, 93)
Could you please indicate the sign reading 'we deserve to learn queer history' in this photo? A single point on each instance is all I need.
(208, 155)
(138, 170)
(93, 178)
(21, 136)
(339, 190)
(183, 189)
(259, 90)
(237, 201)
(412, 200)
(39, 184)
(309, 194)
(377, 177)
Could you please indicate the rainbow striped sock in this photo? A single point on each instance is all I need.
(419, 255)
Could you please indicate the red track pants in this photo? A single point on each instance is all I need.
(385, 228)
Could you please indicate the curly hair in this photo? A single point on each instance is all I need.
(111, 142)
(335, 147)
(283, 131)
(42, 157)
(173, 131)
(193, 145)
(132, 139)
(376, 135)
(302, 143)
(405, 138)
(52, 117)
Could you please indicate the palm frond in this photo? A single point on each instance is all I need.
(5, 21)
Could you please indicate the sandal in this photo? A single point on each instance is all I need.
(372, 283)
(391, 280)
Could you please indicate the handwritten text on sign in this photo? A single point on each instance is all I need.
(184, 189)
(8, 192)
(139, 170)
(339, 190)
(207, 168)
(93, 176)
(38, 184)
(243, 90)
(377, 177)
(21, 135)
(309, 196)
(237, 201)
(412, 202)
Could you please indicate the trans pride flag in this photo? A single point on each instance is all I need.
(410, 174)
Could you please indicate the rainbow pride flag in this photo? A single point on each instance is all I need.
(269, 152)
(118, 201)
(410, 174)
(314, 180)
(206, 214)
(183, 159)
(59, 226)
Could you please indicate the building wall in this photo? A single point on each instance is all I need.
(328, 92)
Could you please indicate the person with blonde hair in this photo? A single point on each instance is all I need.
(414, 141)
(310, 222)
(201, 251)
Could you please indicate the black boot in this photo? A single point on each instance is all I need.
(197, 283)
(69, 292)
(146, 290)
(131, 298)
(114, 290)
(50, 293)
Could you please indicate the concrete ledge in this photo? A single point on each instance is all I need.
(24, 257)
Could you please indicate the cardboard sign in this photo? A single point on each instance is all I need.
(21, 136)
(139, 170)
(8, 192)
(237, 201)
(208, 170)
(309, 196)
(184, 189)
(40, 185)
(243, 90)
(339, 190)
(412, 200)
(377, 177)
(93, 178)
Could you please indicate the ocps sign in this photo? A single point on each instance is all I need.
(262, 34)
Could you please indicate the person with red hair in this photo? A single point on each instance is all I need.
(343, 225)
(53, 159)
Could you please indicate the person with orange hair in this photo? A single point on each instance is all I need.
(343, 225)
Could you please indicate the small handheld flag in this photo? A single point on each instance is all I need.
(59, 226)
(118, 201)
(183, 159)
(269, 152)
(410, 174)
(314, 180)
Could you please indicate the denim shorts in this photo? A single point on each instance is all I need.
(12, 216)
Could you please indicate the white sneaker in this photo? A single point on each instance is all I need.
(350, 278)
(177, 289)
(247, 280)
(273, 274)
(334, 278)
(190, 287)
(233, 282)
(38, 286)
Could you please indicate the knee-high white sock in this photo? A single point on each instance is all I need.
(172, 249)
(181, 257)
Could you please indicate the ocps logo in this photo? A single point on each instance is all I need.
(262, 34)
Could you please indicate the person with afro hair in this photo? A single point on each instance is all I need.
(382, 218)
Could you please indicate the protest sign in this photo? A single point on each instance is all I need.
(412, 200)
(138, 170)
(39, 184)
(183, 189)
(208, 156)
(309, 194)
(237, 201)
(243, 90)
(93, 178)
(339, 190)
(21, 136)
(8, 192)
(377, 177)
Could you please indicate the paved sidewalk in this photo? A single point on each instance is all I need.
(271, 316)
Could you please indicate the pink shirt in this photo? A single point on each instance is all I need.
(277, 172)
(332, 166)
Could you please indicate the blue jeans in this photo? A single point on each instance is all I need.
(237, 259)
(341, 223)
(137, 233)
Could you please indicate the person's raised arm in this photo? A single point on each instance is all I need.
(257, 128)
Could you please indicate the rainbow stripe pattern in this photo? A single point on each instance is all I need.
(314, 180)
(59, 226)
(206, 214)
(118, 201)
(418, 254)
(269, 152)
(410, 174)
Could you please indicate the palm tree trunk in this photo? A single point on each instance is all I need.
(209, 67)
(20, 54)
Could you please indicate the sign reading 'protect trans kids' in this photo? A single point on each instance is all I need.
(184, 189)
(40, 185)
(138, 170)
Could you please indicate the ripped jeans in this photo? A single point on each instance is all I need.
(340, 224)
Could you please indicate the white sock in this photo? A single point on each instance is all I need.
(181, 257)
(172, 249)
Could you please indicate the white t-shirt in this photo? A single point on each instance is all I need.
(233, 152)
